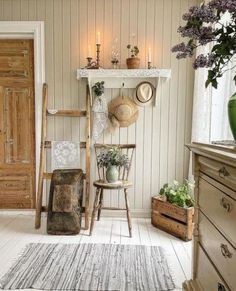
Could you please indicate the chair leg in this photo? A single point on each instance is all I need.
(95, 207)
(100, 204)
(128, 212)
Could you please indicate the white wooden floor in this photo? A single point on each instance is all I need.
(16, 230)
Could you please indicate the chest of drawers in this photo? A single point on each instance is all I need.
(214, 250)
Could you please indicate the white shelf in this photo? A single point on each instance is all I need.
(123, 73)
(124, 77)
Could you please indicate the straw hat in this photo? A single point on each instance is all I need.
(122, 111)
(144, 93)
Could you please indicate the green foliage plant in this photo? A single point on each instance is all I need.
(178, 194)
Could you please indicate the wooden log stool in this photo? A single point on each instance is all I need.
(102, 184)
(65, 202)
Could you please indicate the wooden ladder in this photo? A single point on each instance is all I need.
(47, 144)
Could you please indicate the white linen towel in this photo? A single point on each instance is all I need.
(65, 155)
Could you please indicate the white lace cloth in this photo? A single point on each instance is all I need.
(100, 116)
(65, 155)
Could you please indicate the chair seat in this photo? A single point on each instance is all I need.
(122, 184)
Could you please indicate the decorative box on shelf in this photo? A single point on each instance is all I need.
(175, 220)
(124, 78)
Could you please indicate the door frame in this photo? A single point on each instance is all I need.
(31, 30)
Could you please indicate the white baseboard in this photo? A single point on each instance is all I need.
(136, 213)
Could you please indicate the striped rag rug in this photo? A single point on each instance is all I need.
(89, 267)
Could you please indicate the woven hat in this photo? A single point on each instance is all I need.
(144, 93)
(122, 111)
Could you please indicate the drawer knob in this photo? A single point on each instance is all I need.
(221, 287)
(223, 172)
(225, 251)
(226, 204)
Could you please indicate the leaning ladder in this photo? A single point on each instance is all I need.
(47, 144)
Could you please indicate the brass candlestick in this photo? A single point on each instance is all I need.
(98, 55)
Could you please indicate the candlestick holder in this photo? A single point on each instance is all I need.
(98, 55)
(149, 65)
(89, 63)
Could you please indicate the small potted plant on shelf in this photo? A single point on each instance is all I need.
(133, 62)
(111, 159)
(173, 209)
(98, 88)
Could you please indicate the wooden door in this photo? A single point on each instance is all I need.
(17, 124)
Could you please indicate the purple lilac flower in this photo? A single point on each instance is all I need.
(204, 61)
(223, 5)
(205, 13)
(206, 35)
(183, 50)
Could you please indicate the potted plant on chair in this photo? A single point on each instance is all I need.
(111, 159)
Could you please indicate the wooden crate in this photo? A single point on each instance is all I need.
(175, 220)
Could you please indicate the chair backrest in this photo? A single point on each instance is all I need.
(127, 149)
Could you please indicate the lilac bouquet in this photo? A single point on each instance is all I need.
(112, 157)
(204, 26)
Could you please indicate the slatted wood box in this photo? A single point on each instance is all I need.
(175, 220)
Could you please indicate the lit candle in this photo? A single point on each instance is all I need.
(89, 51)
(98, 38)
(149, 55)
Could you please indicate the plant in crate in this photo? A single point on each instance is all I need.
(178, 194)
(173, 209)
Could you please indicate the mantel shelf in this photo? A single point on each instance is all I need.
(124, 78)
(123, 73)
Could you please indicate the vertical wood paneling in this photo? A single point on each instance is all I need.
(148, 110)
(165, 98)
(161, 131)
(74, 64)
(16, 10)
(181, 110)
(32, 9)
(66, 10)
(24, 9)
(156, 119)
(7, 9)
(172, 133)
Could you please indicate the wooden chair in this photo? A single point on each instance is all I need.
(102, 184)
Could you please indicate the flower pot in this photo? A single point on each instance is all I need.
(133, 63)
(112, 174)
(232, 114)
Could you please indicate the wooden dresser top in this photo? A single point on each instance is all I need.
(226, 154)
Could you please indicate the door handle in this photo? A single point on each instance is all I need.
(223, 172)
(226, 204)
(225, 251)
(221, 287)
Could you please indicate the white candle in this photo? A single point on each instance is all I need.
(98, 41)
(89, 51)
(149, 55)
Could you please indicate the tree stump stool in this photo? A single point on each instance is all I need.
(65, 202)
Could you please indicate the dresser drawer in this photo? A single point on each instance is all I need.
(206, 276)
(219, 207)
(222, 254)
(219, 171)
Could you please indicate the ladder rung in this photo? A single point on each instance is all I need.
(48, 176)
(66, 112)
(48, 144)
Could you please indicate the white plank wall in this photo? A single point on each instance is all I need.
(161, 132)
